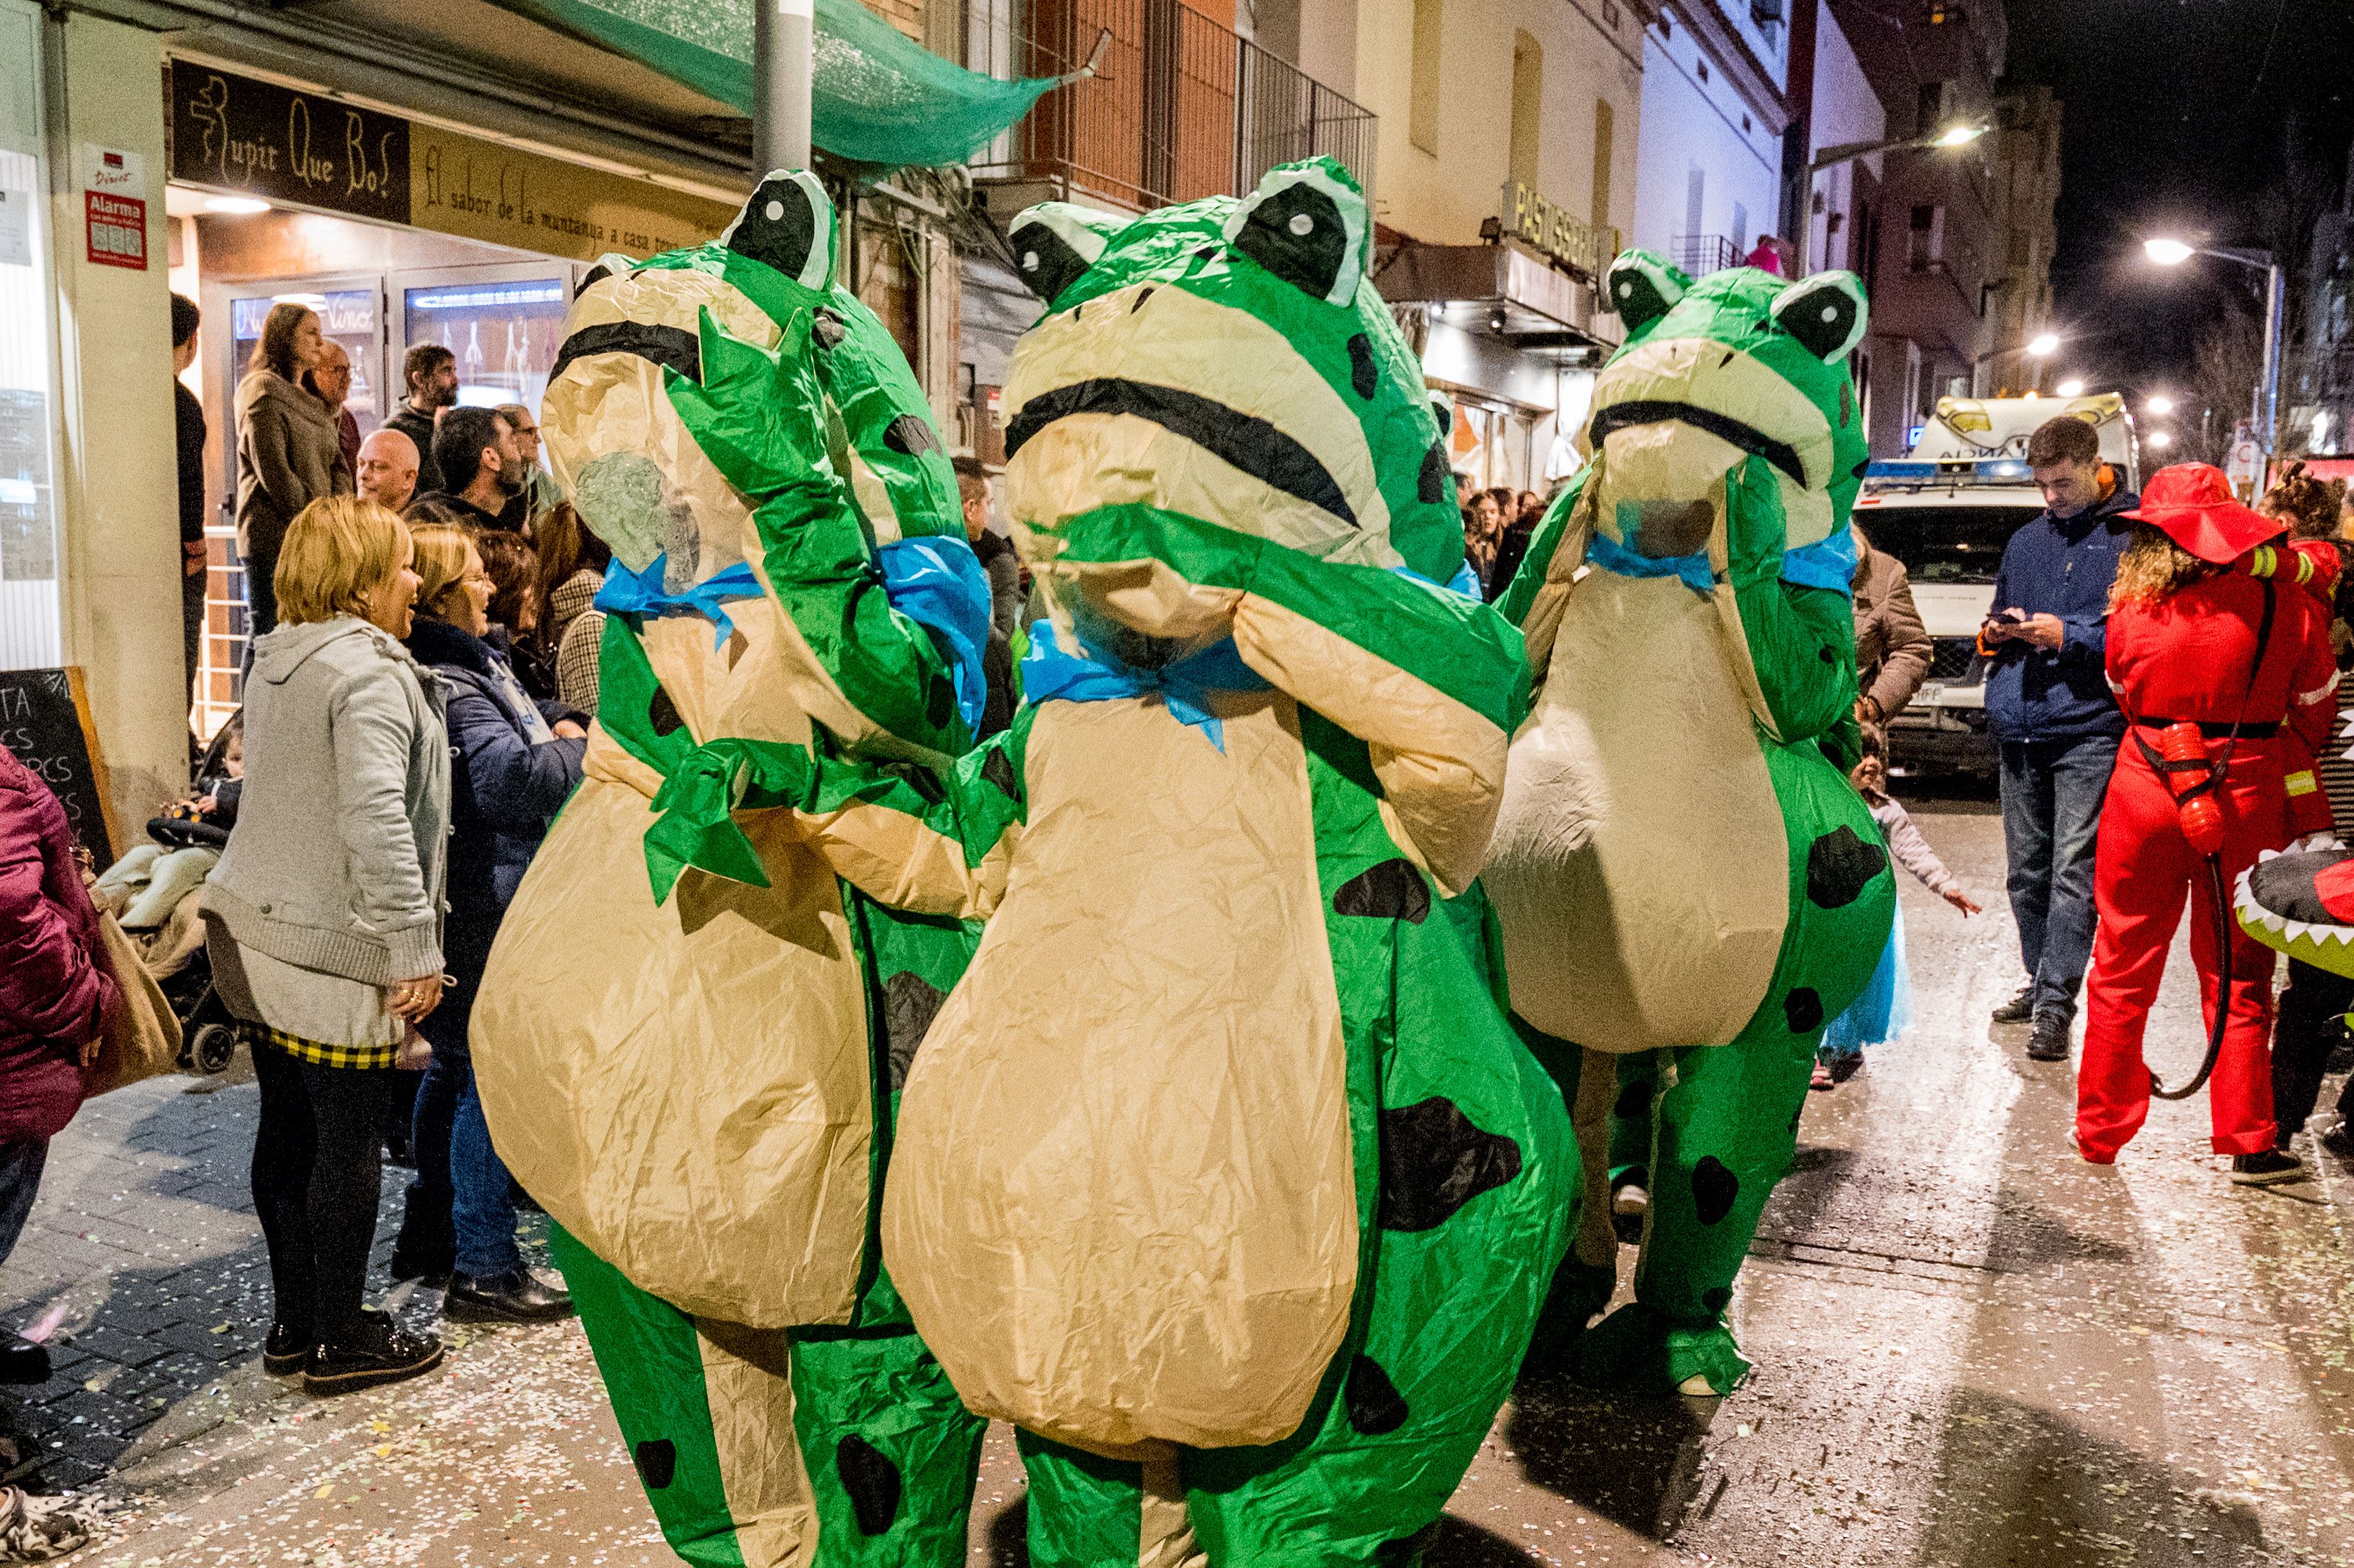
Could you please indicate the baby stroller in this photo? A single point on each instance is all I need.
(152, 892)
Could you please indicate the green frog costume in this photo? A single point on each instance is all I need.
(1221, 1175)
(1688, 885)
(692, 1068)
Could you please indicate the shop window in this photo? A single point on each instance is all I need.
(1422, 107)
(1927, 238)
(30, 634)
(1528, 109)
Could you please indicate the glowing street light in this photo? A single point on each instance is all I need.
(2072, 387)
(2160, 440)
(2044, 345)
(2168, 252)
(2160, 404)
(1958, 134)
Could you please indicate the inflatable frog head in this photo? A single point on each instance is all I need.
(654, 409)
(1740, 363)
(1227, 361)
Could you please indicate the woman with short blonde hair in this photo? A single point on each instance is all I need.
(335, 551)
(324, 923)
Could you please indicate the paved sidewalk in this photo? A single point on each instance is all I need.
(1974, 1352)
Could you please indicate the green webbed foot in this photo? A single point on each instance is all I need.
(1636, 1347)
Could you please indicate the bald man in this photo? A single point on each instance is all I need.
(387, 469)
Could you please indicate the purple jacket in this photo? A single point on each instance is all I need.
(54, 991)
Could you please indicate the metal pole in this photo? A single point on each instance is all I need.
(2268, 385)
(783, 32)
(1805, 219)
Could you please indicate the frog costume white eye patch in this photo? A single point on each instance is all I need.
(1307, 227)
(1825, 313)
(1055, 242)
(789, 224)
(1643, 288)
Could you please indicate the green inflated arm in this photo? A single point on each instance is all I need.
(759, 416)
(1521, 594)
(1801, 639)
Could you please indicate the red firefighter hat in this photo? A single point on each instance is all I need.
(2192, 505)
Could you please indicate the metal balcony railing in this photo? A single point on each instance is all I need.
(1180, 107)
(1697, 255)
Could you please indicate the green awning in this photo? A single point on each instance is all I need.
(878, 95)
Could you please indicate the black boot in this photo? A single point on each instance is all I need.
(514, 1297)
(23, 1361)
(2050, 1041)
(370, 1355)
(285, 1350)
(2266, 1169)
(2019, 1009)
(429, 1262)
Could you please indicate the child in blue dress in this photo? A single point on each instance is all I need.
(1885, 1009)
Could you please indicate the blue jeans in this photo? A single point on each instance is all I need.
(456, 1166)
(2051, 795)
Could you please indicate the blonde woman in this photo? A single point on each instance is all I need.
(513, 761)
(290, 451)
(325, 923)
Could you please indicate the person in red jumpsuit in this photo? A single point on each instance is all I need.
(2207, 624)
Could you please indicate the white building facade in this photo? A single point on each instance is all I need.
(1708, 176)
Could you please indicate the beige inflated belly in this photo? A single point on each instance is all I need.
(1639, 866)
(1122, 1206)
(686, 1086)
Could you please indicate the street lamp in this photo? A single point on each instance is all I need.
(2160, 404)
(1959, 134)
(2072, 387)
(2044, 345)
(2175, 252)
(2160, 441)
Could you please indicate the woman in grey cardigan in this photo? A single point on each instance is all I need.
(324, 918)
(289, 451)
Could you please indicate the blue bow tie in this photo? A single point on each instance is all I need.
(1183, 685)
(642, 593)
(1826, 564)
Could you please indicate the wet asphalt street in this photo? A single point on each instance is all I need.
(1973, 1351)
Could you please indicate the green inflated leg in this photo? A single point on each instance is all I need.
(653, 1362)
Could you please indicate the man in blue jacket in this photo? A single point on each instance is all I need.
(2048, 699)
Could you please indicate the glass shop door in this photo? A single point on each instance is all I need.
(505, 323)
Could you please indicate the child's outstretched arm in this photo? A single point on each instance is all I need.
(1912, 852)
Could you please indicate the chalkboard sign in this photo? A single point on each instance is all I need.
(44, 720)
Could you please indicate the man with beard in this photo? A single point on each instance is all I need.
(430, 373)
(482, 470)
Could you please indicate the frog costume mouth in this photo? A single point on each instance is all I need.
(1725, 427)
(1246, 441)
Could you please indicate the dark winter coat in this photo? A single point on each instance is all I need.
(2063, 566)
(508, 777)
(54, 990)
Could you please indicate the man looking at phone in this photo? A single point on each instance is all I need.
(2047, 697)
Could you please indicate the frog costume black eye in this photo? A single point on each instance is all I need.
(1643, 288)
(1827, 313)
(789, 224)
(1308, 226)
(1054, 242)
